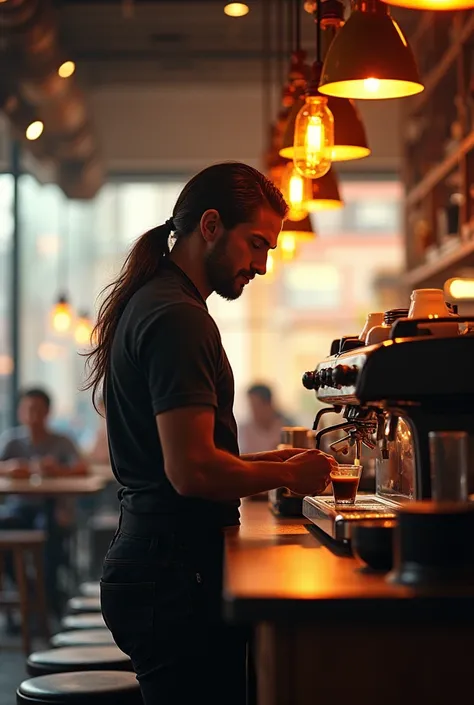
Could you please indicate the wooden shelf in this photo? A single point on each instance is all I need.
(439, 172)
(441, 266)
(438, 72)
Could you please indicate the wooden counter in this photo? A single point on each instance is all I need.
(309, 607)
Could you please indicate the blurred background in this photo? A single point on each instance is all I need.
(161, 90)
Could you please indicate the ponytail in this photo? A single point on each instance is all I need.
(143, 264)
(235, 190)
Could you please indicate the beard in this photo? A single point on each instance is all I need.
(220, 273)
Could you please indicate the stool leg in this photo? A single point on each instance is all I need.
(21, 581)
(41, 604)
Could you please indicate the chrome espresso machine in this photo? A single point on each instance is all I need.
(390, 395)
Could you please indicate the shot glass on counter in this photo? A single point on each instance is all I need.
(345, 482)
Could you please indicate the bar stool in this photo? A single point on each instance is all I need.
(22, 544)
(83, 688)
(83, 621)
(82, 637)
(77, 658)
(81, 605)
(90, 589)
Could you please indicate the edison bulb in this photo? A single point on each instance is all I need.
(61, 317)
(83, 330)
(296, 191)
(314, 138)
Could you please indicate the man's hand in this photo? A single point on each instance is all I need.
(311, 470)
(16, 468)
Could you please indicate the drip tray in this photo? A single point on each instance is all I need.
(337, 520)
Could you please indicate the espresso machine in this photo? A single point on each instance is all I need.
(390, 396)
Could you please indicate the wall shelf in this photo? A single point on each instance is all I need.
(439, 172)
(439, 270)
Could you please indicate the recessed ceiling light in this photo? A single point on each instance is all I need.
(236, 9)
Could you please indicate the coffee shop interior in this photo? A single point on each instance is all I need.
(359, 339)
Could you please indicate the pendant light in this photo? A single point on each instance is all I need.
(296, 191)
(314, 125)
(83, 329)
(350, 140)
(434, 4)
(369, 58)
(61, 315)
(294, 232)
(324, 194)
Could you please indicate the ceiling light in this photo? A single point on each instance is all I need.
(66, 69)
(34, 130)
(434, 4)
(236, 9)
(350, 139)
(325, 194)
(369, 58)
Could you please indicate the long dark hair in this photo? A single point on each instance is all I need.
(235, 190)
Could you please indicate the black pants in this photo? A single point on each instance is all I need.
(161, 596)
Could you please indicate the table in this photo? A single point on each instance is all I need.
(325, 628)
(50, 489)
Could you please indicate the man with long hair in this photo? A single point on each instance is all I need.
(169, 392)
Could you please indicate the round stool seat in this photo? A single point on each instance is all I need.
(81, 605)
(97, 687)
(77, 658)
(83, 637)
(83, 621)
(90, 589)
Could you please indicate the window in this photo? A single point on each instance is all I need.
(6, 232)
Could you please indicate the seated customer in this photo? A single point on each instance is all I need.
(263, 429)
(33, 448)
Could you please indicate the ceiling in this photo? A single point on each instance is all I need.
(136, 41)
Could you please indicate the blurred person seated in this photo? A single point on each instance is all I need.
(99, 451)
(263, 429)
(33, 449)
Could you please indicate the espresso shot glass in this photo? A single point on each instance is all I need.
(345, 483)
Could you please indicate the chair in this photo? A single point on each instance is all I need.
(82, 637)
(77, 658)
(83, 621)
(82, 688)
(22, 544)
(81, 605)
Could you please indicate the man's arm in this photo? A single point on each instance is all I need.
(195, 467)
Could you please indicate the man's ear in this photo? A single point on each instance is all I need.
(210, 225)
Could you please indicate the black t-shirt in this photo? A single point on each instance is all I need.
(167, 353)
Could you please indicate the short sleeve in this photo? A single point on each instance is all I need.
(68, 452)
(179, 351)
(7, 446)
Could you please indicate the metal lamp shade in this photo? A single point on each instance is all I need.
(350, 140)
(369, 59)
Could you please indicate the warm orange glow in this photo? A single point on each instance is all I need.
(371, 89)
(270, 263)
(6, 365)
(434, 4)
(460, 288)
(296, 191)
(61, 317)
(314, 138)
(287, 246)
(66, 69)
(83, 330)
(236, 9)
(34, 130)
(323, 204)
